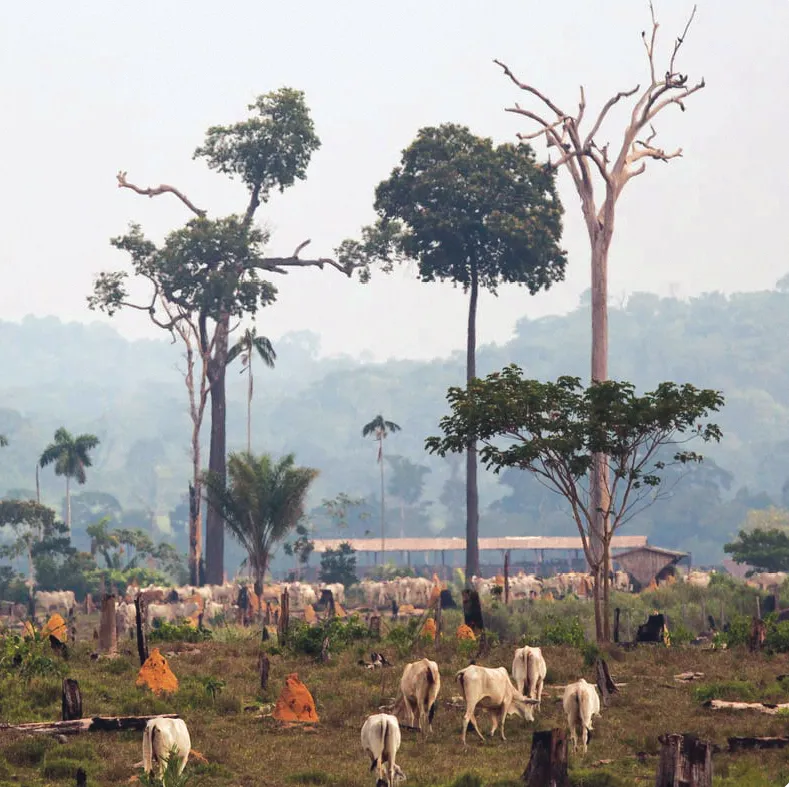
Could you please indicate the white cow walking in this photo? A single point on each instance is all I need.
(491, 689)
(420, 685)
(580, 702)
(529, 671)
(158, 740)
(381, 740)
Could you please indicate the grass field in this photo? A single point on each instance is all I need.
(244, 746)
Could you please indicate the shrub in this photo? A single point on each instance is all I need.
(564, 631)
(28, 751)
(732, 690)
(308, 640)
(178, 632)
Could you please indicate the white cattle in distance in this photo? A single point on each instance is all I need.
(50, 600)
(158, 740)
(528, 672)
(381, 740)
(420, 685)
(491, 689)
(580, 703)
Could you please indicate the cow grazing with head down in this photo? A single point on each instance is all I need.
(529, 671)
(580, 703)
(381, 740)
(420, 685)
(159, 739)
(491, 689)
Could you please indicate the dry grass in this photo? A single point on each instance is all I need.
(244, 748)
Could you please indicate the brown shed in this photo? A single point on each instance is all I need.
(647, 562)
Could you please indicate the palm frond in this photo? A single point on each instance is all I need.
(265, 350)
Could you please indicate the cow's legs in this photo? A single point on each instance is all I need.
(540, 684)
(469, 717)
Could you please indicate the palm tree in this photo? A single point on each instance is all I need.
(261, 504)
(379, 429)
(246, 347)
(70, 455)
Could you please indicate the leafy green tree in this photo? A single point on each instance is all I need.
(208, 272)
(339, 565)
(71, 457)
(262, 503)
(301, 547)
(31, 524)
(555, 429)
(379, 428)
(764, 550)
(480, 216)
(248, 345)
(89, 507)
(340, 508)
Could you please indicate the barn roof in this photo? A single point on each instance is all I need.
(449, 544)
(654, 550)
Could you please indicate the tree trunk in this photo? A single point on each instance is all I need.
(142, 639)
(548, 762)
(284, 618)
(472, 495)
(383, 506)
(94, 724)
(685, 761)
(215, 530)
(71, 701)
(507, 578)
(108, 636)
(249, 403)
(68, 507)
(597, 595)
(195, 525)
(263, 667)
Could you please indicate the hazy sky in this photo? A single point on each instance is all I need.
(91, 87)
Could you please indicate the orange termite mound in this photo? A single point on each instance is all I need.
(295, 703)
(157, 675)
(429, 629)
(57, 627)
(465, 632)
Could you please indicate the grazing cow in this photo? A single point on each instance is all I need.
(529, 671)
(491, 689)
(381, 740)
(51, 600)
(580, 702)
(158, 739)
(420, 685)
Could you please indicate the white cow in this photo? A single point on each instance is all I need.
(381, 740)
(491, 689)
(420, 685)
(158, 739)
(529, 671)
(580, 702)
(56, 599)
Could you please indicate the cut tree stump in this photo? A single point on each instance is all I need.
(605, 685)
(745, 744)
(142, 638)
(685, 761)
(95, 724)
(548, 762)
(472, 611)
(108, 637)
(762, 707)
(263, 667)
(71, 700)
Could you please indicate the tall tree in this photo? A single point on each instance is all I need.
(208, 272)
(480, 216)
(379, 428)
(555, 429)
(248, 345)
(71, 457)
(261, 503)
(31, 524)
(592, 165)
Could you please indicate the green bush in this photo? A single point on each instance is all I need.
(564, 631)
(61, 767)
(306, 639)
(28, 752)
(162, 631)
(732, 690)
(28, 657)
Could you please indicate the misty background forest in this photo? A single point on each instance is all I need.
(131, 395)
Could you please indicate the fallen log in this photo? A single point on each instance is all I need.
(744, 744)
(762, 707)
(94, 724)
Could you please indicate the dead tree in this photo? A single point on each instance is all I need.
(108, 636)
(71, 700)
(472, 611)
(605, 685)
(685, 761)
(548, 762)
(263, 667)
(142, 638)
(592, 164)
(507, 578)
(757, 635)
(284, 618)
(94, 724)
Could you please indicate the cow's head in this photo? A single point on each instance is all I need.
(523, 706)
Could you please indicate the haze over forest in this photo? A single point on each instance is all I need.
(131, 395)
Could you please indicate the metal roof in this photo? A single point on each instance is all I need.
(449, 544)
(655, 550)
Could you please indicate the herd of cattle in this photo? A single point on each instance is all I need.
(480, 687)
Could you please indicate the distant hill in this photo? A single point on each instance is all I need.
(130, 393)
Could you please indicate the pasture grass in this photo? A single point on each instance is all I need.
(244, 746)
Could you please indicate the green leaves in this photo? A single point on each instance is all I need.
(69, 454)
(765, 550)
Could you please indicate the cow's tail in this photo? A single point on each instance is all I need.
(459, 677)
(584, 715)
(432, 679)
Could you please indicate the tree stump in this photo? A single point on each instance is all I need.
(617, 613)
(142, 639)
(108, 637)
(507, 578)
(267, 615)
(88, 603)
(263, 668)
(652, 630)
(605, 685)
(685, 761)
(72, 700)
(548, 762)
(472, 611)
(375, 626)
(284, 618)
(82, 778)
(757, 635)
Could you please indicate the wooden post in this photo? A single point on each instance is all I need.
(325, 655)
(108, 637)
(142, 639)
(263, 667)
(548, 762)
(82, 778)
(605, 685)
(71, 704)
(284, 616)
(375, 626)
(617, 612)
(507, 578)
(472, 611)
(438, 620)
(685, 761)
(72, 625)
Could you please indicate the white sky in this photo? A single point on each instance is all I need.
(90, 87)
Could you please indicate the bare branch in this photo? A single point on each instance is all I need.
(678, 43)
(529, 89)
(156, 190)
(278, 264)
(604, 111)
(650, 47)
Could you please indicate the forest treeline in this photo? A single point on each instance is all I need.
(131, 395)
